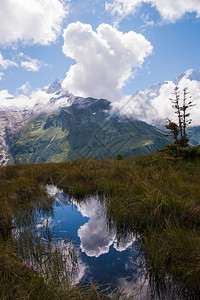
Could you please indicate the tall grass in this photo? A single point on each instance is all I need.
(151, 195)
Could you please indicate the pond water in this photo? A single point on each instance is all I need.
(75, 239)
(103, 258)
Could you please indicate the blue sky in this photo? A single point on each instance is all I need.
(130, 45)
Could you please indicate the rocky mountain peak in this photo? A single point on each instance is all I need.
(54, 86)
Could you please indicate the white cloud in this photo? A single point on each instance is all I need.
(6, 63)
(154, 106)
(95, 238)
(4, 95)
(104, 59)
(137, 106)
(32, 65)
(1, 75)
(32, 21)
(169, 10)
(22, 101)
(36, 101)
(24, 89)
(163, 106)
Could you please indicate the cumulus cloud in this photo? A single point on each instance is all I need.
(169, 10)
(137, 106)
(95, 239)
(104, 59)
(32, 22)
(6, 63)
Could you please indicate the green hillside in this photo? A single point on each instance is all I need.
(83, 131)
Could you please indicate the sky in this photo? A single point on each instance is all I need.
(103, 49)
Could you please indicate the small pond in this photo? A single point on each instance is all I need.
(102, 257)
(91, 248)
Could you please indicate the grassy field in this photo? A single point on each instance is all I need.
(152, 195)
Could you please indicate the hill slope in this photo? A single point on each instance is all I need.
(83, 129)
(53, 125)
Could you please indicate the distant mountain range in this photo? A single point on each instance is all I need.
(57, 126)
(83, 129)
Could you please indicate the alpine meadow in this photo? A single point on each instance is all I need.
(99, 149)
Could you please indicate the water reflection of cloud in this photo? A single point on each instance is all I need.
(69, 252)
(136, 284)
(124, 242)
(82, 269)
(58, 195)
(96, 237)
(52, 190)
(44, 222)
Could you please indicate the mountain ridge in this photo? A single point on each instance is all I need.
(68, 126)
(83, 131)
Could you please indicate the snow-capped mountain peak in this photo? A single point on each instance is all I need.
(54, 86)
(190, 74)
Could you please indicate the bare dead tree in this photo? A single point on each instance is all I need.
(177, 108)
(182, 110)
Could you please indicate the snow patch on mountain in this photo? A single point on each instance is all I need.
(190, 74)
(154, 106)
(51, 97)
(54, 87)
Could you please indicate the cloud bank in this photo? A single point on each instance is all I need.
(169, 10)
(162, 105)
(32, 21)
(104, 59)
(20, 102)
(153, 106)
